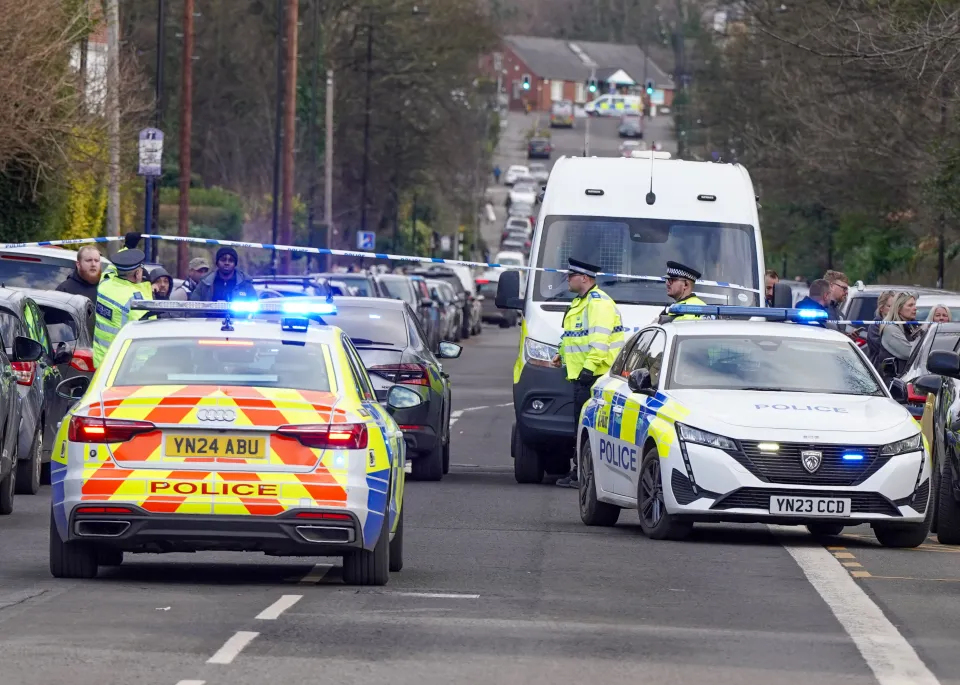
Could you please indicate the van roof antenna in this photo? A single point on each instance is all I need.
(651, 196)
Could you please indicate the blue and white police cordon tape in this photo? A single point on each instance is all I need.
(778, 314)
(351, 253)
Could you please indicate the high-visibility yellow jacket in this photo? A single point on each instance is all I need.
(689, 299)
(114, 295)
(592, 334)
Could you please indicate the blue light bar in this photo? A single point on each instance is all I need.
(852, 457)
(292, 307)
(245, 306)
(768, 313)
(309, 308)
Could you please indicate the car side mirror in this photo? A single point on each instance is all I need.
(64, 354)
(944, 363)
(448, 350)
(782, 295)
(508, 291)
(640, 381)
(26, 350)
(888, 367)
(929, 384)
(73, 388)
(898, 391)
(400, 397)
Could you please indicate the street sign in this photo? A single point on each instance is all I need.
(151, 152)
(366, 240)
(445, 243)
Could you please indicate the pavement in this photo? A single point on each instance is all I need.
(502, 584)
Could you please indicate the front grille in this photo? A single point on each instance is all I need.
(759, 498)
(917, 500)
(785, 466)
(683, 489)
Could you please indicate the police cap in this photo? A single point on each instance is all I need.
(678, 270)
(129, 260)
(584, 268)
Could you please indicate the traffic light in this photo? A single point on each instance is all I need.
(592, 85)
(526, 83)
(650, 86)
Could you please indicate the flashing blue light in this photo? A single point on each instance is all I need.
(811, 314)
(851, 456)
(245, 306)
(768, 313)
(309, 308)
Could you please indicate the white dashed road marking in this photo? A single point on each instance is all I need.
(434, 595)
(272, 612)
(887, 653)
(192, 682)
(232, 647)
(455, 415)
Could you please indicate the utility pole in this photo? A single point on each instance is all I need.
(186, 126)
(312, 130)
(158, 110)
(290, 129)
(941, 240)
(113, 116)
(328, 169)
(277, 140)
(366, 123)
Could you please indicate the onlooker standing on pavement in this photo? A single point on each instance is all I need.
(839, 287)
(496, 174)
(939, 313)
(196, 270)
(818, 296)
(86, 277)
(874, 347)
(162, 283)
(899, 339)
(226, 283)
(770, 279)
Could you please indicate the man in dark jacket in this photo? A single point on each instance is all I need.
(162, 283)
(226, 282)
(817, 298)
(86, 277)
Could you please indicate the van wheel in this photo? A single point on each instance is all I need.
(527, 462)
(71, 559)
(29, 470)
(593, 512)
(948, 514)
(396, 546)
(8, 487)
(655, 522)
(369, 567)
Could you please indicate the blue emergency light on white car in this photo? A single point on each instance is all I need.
(767, 313)
(238, 307)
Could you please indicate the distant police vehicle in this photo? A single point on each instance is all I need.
(598, 209)
(720, 420)
(233, 435)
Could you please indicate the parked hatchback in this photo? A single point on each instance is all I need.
(24, 351)
(70, 321)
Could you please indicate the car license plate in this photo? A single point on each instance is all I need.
(225, 446)
(809, 506)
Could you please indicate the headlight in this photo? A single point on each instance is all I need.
(701, 437)
(538, 353)
(911, 444)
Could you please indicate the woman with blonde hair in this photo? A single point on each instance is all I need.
(900, 335)
(939, 313)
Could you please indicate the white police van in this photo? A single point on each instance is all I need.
(630, 216)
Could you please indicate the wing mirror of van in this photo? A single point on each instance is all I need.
(508, 291)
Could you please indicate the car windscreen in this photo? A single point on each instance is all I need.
(510, 261)
(221, 361)
(770, 364)
(721, 252)
(400, 289)
(361, 285)
(487, 289)
(863, 307)
(368, 325)
(25, 271)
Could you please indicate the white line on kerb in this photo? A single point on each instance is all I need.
(888, 654)
(232, 647)
(272, 612)
(316, 574)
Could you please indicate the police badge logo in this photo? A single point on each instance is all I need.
(811, 460)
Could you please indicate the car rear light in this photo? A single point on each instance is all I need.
(408, 427)
(104, 510)
(482, 281)
(100, 430)
(328, 436)
(83, 360)
(407, 374)
(324, 515)
(25, 372)
(914, 396)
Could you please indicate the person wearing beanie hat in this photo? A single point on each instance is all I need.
(226, 282)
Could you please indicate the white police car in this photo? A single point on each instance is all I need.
(751, 421)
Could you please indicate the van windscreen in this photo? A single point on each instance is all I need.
(721, 252)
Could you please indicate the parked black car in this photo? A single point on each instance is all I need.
(42, 408)
(24, 351)
(942, 429)
(943, 337)
(468, 301)
(401, 287)
(363, 284)
(294, 286)
(394, 350)
(70, 320)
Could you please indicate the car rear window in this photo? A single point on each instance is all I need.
(399, 288)
(488, 289)
(924, 312)
(368, 326)
(362, 285)
(61, 326)
(864, 307)
(222, 361)
(25, 271)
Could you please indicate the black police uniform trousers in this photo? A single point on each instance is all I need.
(581, 393)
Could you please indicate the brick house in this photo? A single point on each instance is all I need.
(559, 70)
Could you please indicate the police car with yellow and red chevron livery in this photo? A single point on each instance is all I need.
(752, 421)
(218, 429)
